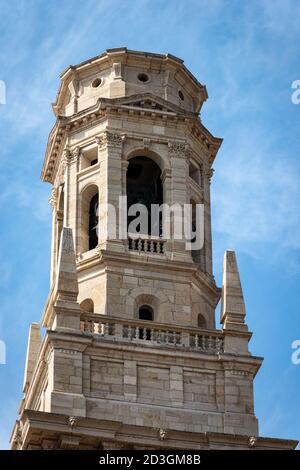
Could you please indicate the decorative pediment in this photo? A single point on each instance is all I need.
(146, 101)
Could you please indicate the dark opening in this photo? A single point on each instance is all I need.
(93, 222)
(97, 82)
(195, 253)
(145, 313)
(144, 186)
(201, 321)
(94, 162)
(143, 77)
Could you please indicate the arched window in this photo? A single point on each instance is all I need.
(195, 253)
(87, 222)
(201, 321)
(144, 186)
(93, 222)
(145, 313)
(87, 305)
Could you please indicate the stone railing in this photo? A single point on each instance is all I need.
(147, 245)
(152, 333)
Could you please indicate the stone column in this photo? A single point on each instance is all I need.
(177, 154)
(71, 193)
(110, 147)
(122, 223)
(166, 179)
(206, 258)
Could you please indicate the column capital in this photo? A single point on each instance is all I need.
(53, 198)
(178, 149)
(110, 139)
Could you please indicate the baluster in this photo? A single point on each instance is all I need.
(137, 333)
(144, 335)
(210, 343)
(159, 336)
(129, 333)
(174, 338)
(203, 343)
(196, 340)
(152, 335)
(106, 329)
(167, 337)
(139, 245)
(151, 246)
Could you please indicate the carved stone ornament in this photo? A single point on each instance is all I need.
(72, 421)
(64, 162)
(177, 148)
(162, 433)
(252, 441)
(109, 139)
(75, 153)
(209, 174)
(53, 198)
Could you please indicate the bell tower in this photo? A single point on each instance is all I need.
(132, 357)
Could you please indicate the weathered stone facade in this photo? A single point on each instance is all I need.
(102, 378)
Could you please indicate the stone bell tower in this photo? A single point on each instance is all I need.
(131, 357)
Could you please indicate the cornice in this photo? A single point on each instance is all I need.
(168, 113)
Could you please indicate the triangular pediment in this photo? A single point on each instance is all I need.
(146, 101)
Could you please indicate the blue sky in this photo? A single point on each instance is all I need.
(247, 53)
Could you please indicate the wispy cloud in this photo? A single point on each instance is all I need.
(256, 195)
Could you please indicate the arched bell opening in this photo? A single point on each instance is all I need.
(145, 189)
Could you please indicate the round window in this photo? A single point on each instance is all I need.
(96, 83)
(143, 77)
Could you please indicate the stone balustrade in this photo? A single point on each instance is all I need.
(147, 245)
(158, 334)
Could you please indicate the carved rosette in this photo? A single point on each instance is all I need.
(109, 139)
